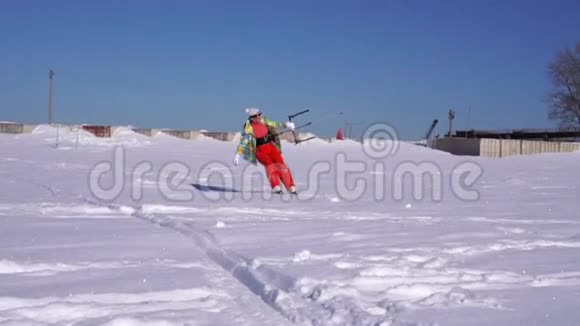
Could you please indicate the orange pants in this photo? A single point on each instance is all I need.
(276, 170)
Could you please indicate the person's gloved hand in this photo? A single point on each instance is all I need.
(290, 125)
(237, 159)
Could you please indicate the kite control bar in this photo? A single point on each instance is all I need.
(296, 139)
(292, 116)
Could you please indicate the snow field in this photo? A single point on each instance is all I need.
(68, 258)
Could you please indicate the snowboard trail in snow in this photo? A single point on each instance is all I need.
(274, 287)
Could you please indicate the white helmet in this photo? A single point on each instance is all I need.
(252, 111)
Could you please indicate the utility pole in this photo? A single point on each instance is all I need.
(451, 117)
(469, 118)
(50, 76)
(348, 128)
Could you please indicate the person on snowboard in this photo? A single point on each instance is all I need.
(260, 142)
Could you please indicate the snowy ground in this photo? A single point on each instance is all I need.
(176, 255)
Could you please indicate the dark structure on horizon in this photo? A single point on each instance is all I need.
(529, 134)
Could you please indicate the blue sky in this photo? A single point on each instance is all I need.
(198, 64)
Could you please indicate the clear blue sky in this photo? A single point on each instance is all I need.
(198, 64)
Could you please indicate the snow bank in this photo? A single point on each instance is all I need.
(130, 137)
(73, 136)
(237, 137)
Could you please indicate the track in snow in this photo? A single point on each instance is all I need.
(274, 287)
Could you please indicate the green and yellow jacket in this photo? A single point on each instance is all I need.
(247, 146)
